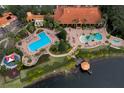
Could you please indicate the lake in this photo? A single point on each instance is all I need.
(106, 73)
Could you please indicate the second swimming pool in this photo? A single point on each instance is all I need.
(43, 41)
(89, 38)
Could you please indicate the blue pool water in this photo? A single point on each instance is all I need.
(98, 36)
(115, 41)
(43, 41)
(88, 38)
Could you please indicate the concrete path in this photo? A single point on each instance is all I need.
(6, 39)
(3, 40)
(62, 55)
(73, 36)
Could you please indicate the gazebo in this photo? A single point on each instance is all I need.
(10, 60)
(85, 66)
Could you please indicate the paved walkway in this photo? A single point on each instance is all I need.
(62, 55)
(32, 38)
(3, 40)
(6, 39)
(73, 36)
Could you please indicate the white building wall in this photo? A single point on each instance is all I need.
(38, 23)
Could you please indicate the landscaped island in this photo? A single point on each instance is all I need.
(52, 42)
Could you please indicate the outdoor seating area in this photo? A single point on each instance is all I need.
(24, 47)
(116, 42)
(29, 61)
(34, 43)
(86, 38)
(92, 38)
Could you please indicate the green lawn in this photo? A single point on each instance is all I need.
(42, 69)
(62, 64)
(98, 52)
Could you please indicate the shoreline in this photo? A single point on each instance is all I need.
(63, 73)
(51, 74)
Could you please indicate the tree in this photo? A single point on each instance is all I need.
(75, 22)
(56, 26)
(48, 22)
(30, 27)
(115, 22)
(62, 35)
(21, 10)
(62, 46)
(17, 10)
(3, 72)
(1, 11)
(47, 9)
(54, 48)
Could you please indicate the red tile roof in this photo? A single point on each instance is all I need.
(81, 15)
(31, 17)
(7, 18)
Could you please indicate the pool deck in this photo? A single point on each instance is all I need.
(32, 38)
(74, 35)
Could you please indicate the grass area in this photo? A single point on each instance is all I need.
(1, 50)
(62, 64)
(12, 84)
(23, 33)
(40, 71)
(53, 64)
(98, 52)
(44, 58)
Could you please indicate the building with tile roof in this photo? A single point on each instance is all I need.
(77, 15)
(37, 19)
(6, 19)
(8, 22)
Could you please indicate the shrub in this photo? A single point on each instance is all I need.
(108, 36)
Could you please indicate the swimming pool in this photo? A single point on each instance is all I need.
(98, 36)
(115, 41)
(43, 41)
(91, 37)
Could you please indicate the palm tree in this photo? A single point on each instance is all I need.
(75, 22)
(3, 72)
(85, 23)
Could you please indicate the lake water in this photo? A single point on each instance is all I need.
(107, 72)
